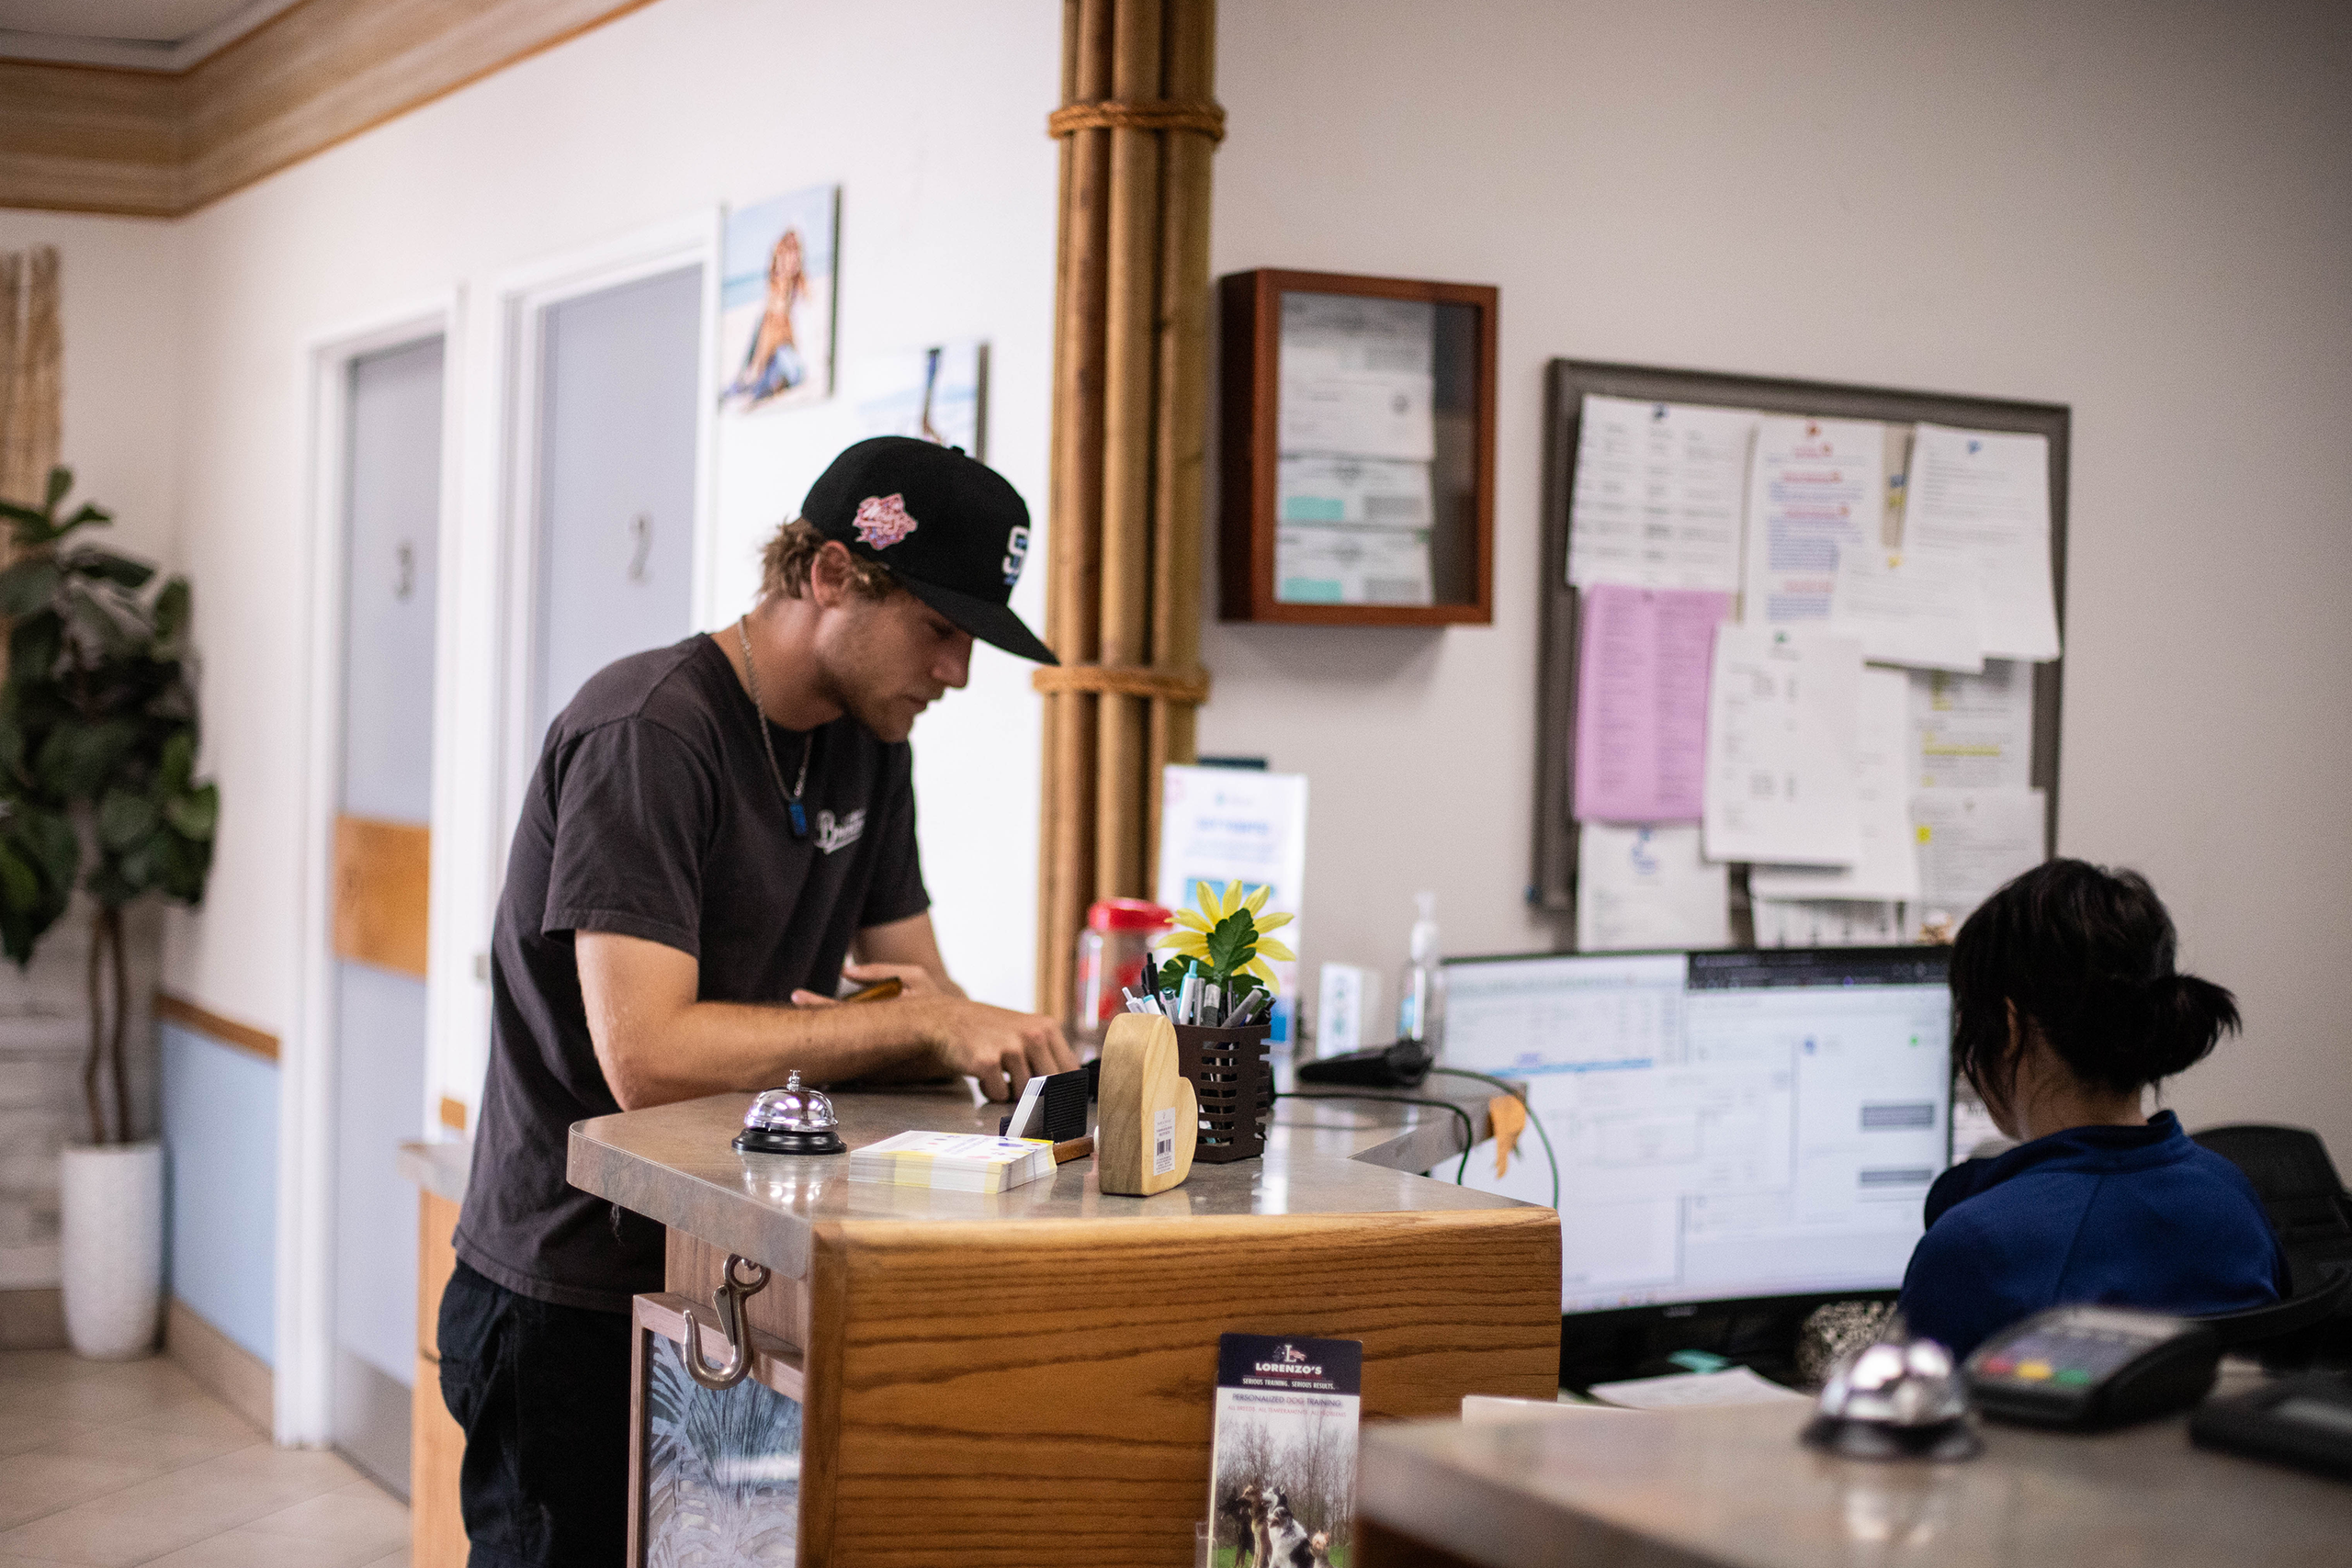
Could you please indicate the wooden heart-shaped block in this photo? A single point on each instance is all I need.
(1147, 1115)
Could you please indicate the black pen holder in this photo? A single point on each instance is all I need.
(1235, 1085)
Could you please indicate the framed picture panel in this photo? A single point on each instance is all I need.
(1358, 450)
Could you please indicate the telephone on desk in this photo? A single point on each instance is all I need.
(1401, 1065)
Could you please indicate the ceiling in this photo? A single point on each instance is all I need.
(157, 35)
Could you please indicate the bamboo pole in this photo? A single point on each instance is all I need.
(1182, 434)
(34, 415)
(1129, 366)
(1073, 587)
(12, 266)
(1130, 404)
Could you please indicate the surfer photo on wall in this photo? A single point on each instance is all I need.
(774, 364)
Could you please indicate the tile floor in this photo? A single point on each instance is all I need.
(128, 1463)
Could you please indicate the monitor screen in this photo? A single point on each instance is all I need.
(1728, 1126)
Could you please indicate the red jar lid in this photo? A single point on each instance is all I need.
(1128, 915)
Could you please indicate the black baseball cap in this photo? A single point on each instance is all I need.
(953, 531)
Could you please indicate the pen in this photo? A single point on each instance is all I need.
(880, 991)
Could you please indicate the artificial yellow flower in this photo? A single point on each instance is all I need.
(1212, 906)
(1189, 944)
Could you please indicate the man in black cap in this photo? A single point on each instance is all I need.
(713, 829)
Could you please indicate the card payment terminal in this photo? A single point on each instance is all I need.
(2087, 1367)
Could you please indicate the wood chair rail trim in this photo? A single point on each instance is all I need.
(227, 1032)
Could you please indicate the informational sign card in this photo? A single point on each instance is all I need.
(1282, 1477)
(1224, 824)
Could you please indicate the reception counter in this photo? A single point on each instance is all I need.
(1027, 1378)
(1733, 1488)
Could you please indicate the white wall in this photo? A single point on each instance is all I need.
(2142, 211)
(929, 115)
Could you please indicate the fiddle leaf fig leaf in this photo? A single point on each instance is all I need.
(33, 646)
(55, 846)
(77, 759)
(19, 883)
(28, 585)
(171, 613)
(61, 479)
(125, 819)
(177, 764)
(95, 562)
(195, 815)
(86, 516)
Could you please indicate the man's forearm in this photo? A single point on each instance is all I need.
(723, 1047)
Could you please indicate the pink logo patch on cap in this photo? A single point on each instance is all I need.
(882, 521)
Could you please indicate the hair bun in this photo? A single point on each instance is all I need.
(2183, 1018)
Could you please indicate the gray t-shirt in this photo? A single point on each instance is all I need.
(653, 814)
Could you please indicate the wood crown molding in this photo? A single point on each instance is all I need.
(213, 1026)
(158, 144)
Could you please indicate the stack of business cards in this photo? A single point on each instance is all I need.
(952, 1162)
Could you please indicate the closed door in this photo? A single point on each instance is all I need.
(393, 507)
(619, 401)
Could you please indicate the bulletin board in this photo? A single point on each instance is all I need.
(1568, 382)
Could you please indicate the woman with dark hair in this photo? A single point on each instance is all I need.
(2065, 1008)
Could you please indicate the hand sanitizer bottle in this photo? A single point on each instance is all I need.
(1420, 993)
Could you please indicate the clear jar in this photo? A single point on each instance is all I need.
(1112, 952)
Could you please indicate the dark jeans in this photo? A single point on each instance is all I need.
(542, 1393)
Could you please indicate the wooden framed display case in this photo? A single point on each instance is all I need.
(1357, 450)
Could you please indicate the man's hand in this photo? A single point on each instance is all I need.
(1001, 1048)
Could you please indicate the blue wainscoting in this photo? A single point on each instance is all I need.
(221, 1134)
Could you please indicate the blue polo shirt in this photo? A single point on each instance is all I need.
(2127, 1216)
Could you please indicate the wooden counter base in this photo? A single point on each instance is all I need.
(1035, 1386)
(979, 1381)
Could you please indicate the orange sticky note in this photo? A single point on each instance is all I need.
(1509, 1113)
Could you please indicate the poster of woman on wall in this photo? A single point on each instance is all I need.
(776, 301)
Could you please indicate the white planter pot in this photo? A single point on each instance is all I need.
(112, 1220)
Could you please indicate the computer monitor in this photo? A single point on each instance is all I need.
(1729, 1125)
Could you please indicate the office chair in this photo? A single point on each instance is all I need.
(2278, 1320)
(2299, 1189)
(2311, 1213)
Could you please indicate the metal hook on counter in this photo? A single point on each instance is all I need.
(729, 1299)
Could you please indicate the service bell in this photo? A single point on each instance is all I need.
(790, 1121)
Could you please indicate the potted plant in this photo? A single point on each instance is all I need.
(97, 756)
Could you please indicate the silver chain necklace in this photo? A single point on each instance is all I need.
(759, 715)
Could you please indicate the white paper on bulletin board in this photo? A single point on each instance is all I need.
(1782, 717)
(1221, 825)
(1888, 865)
(1815, 488)
(1660, 492)
(1988, 491)
(1972, 841)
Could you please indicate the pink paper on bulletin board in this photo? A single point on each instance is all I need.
(1642, 664)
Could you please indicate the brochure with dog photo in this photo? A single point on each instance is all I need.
(1283, 1479)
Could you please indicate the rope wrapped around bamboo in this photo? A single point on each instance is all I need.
(1166, 115)
(1123, 680)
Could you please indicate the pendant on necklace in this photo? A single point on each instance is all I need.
(800, 820)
